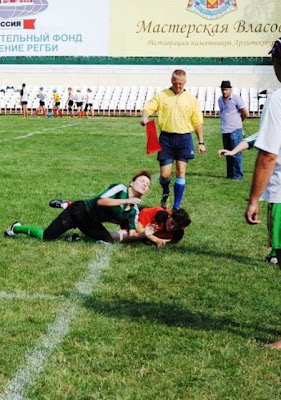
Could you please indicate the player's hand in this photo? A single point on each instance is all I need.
(201, 148)
(144, 121)
(133, 200)
(122, 233)
(252, 214)
(224, 152)
(162, 242)
(150, 229)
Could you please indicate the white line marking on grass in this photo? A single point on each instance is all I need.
(24, 296)
(28, 135)
(36, 358)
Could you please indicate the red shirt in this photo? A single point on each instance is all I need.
(158, 216)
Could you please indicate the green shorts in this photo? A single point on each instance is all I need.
(274, 225)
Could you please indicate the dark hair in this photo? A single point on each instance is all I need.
(142, 173)
(23, 85)
(276, 49)
(181, 218)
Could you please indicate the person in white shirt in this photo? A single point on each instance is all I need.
(89, 103)
(41, 96)
(267, 172)
(70, 102)
(78, 98)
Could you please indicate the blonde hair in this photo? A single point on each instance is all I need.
(179, 73)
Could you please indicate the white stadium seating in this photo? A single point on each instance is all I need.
(118, 100)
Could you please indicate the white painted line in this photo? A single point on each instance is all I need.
(36, 358)
(28, 135)
(24, 296)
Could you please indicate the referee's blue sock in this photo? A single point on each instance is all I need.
(165, 183)
(178, 191)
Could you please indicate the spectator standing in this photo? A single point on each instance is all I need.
(233, 111)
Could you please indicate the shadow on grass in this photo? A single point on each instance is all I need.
(174, 316)
(206, 174)
(212, 253)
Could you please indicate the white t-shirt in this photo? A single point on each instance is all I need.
(78, 97)
(24, 94)
(269, 140)
(90, 98)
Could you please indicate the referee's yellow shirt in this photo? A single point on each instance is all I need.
(176, 113)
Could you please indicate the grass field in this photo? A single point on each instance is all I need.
(87, 321)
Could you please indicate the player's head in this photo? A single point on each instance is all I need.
(140, 183)
(69, 89)
(276, 58)
(89, 90)
(178, 80)
(54, 90)
(177, 220)
(41, 88)
(23, 85)
(226, 88)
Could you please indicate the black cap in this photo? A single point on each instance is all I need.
(276, 49)
(226, 85)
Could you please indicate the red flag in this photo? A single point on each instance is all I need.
(152, 144)
(29, 23)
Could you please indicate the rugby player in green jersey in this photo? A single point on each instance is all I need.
(117, 204)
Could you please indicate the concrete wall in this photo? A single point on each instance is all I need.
(126, 75)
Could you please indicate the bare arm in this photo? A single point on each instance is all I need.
(159, 242)
(145, 116)
(264, 168)
(199, 132)
(244, 113)
(108, 202)
(243, 145)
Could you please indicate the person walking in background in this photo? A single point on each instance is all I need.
(233, 111)
(178, 115)
(23, 100)
(56, 108)
(78, 98)
(267, 173)
(41, 96)
(89, 103)
(70, 102)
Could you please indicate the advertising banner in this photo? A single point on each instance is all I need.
(194, 28)
(54, 28)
